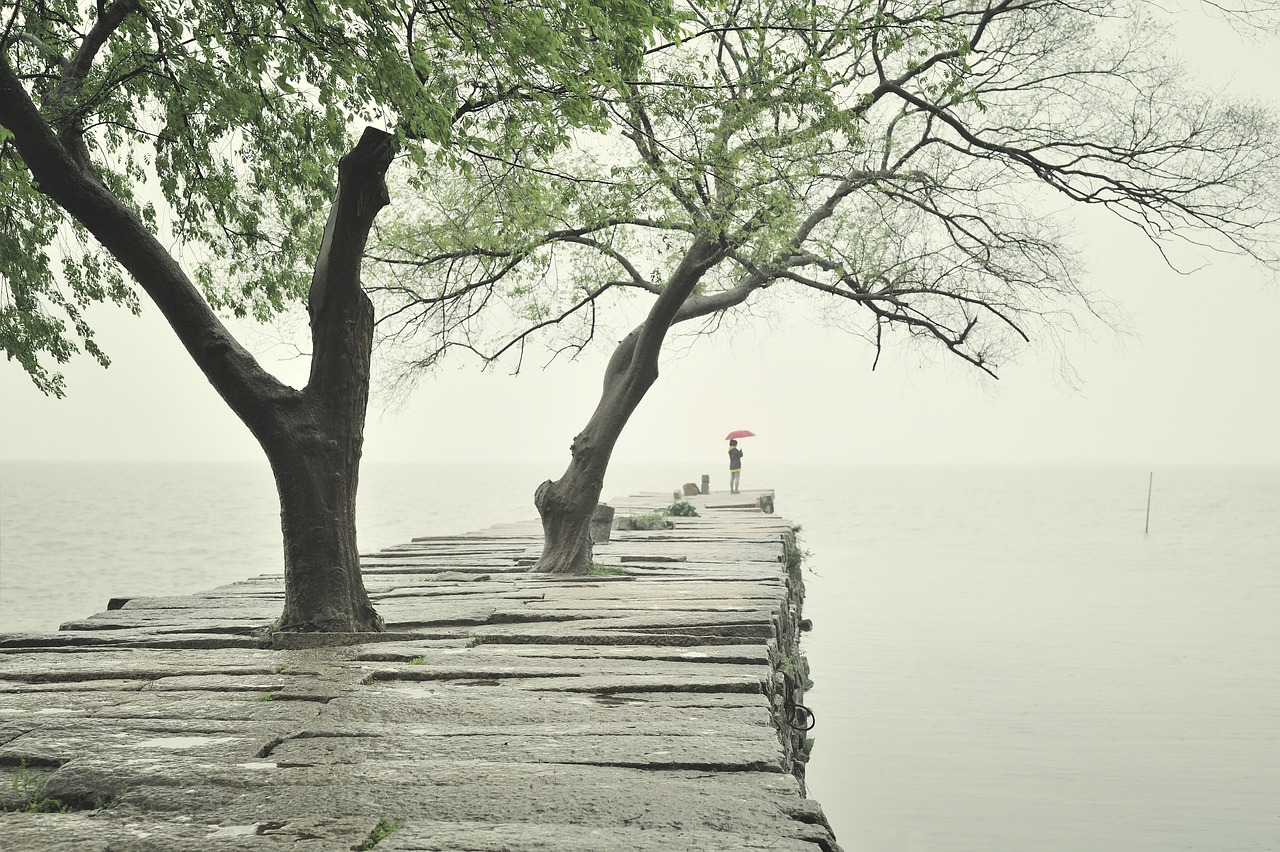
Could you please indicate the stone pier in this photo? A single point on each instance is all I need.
(656, 706)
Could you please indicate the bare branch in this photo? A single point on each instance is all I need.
(897, 158)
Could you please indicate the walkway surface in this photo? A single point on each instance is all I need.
(504, 710)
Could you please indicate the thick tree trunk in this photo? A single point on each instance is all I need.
(315, 454)
(316, 461)
(324, 591)
(566, 505)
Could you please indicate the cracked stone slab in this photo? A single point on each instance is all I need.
(733, 679)
(695, 584)
(75, 640)
(452, 583)
(59, 688)
(577, 633)
(437, 836)
(424, 569)
(456, 610)
(756, 622)
(469, 665)
(250, 624)
(113, 830)
(42, 666)
(35, 709)
(433, 655)
(757, 751)
(482, 791)
(143, 741)
(448, 707)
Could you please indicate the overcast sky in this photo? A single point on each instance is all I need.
(1195, 383)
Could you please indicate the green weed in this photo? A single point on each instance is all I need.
(795, 555)
(380, 832)
(682, 509)
(30, 789)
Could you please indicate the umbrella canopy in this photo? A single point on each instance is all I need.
(739, 433)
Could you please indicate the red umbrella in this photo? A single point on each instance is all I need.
(740, 433)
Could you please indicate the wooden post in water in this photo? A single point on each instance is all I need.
(1150, 476)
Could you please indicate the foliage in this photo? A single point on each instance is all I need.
(219, 124)
(601, 570)
(681, 509)
(28, 789)
(380, 832)
(794, 556)
(913, 166)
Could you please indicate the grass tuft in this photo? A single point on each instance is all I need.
(30, 789)
(380, 832)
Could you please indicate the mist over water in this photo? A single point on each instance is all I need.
(1003, 660)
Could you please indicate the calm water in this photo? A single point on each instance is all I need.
(1004, 662)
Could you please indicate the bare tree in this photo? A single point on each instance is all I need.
(915, 164)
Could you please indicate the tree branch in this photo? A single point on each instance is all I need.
(336, 301)
(234, 373)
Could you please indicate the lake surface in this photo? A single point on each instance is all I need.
(1003, 660)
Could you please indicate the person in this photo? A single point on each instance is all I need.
(735, 466)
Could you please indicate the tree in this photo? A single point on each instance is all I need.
(914, 163)
(216, 125)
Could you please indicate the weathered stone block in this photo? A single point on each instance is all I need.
(601, 523)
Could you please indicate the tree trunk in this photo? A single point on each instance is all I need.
(566, 505)
(316, 440)
(316, 478)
